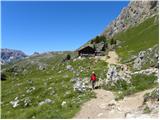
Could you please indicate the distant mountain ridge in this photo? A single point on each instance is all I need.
(8, 55)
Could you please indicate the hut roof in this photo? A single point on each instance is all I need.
(99, 46)
(84, 46)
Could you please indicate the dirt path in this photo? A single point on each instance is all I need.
(105, 106)
(111, 58)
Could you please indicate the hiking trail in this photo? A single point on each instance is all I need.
(105, 106)
(111, 58)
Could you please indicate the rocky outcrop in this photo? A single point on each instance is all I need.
(151, 104)
(121, 72)
(148, 71)
(8, 55)
(80, 84)
(135, 13)
(148, 58)
(118, 72)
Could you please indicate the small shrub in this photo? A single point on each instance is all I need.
(119, 96)
(68, 57)
(146, 110)
(98, 39)
(3, 76)
(113, 42)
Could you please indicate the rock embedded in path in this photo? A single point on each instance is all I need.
(100, 114)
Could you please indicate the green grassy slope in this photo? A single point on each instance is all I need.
(46, 81)
(137, 38)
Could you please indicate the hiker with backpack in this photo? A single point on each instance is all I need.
(93, 80)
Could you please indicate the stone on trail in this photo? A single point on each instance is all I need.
(100, 114)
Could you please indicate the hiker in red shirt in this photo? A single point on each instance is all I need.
(93, 79)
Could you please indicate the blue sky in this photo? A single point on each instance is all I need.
(54, 26)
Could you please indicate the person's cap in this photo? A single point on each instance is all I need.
(93, 72)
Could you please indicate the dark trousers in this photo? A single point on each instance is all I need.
(93, 83)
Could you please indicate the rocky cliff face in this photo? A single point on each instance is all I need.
(7, 55)
(135, 13)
